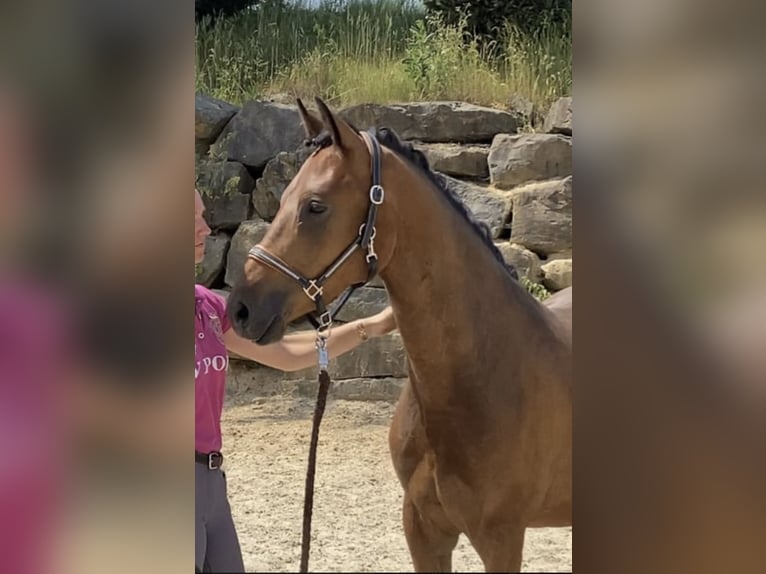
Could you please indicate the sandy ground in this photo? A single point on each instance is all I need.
(357, 500)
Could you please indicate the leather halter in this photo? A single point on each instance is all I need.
(322, 318)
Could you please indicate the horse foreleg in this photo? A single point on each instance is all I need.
(430, 544)
(500, 547)
(431, 537)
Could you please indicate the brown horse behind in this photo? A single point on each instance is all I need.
(481, 439)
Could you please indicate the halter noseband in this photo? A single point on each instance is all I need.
(322, 318)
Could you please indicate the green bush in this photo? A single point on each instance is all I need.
(487, 19)
(538, 291)
(441, 64)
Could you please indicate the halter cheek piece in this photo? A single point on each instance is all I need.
(322, 318)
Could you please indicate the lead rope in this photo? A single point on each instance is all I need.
(308, 501)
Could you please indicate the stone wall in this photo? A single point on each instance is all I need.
(517, 181)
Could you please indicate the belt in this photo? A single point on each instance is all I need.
(213, 460)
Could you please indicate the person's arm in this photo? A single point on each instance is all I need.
(297, 351)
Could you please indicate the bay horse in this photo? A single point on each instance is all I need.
(481, 439)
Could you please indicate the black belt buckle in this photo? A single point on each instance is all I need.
(211, 460)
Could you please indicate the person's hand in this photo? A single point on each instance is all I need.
(381, 323)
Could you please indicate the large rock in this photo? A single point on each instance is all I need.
(264, 203)
(281, 98)
(458, 160)
(223, 293)
(524, 110)
(258, 133)
(542, 216)
(516, 159)
(223, 178)
(226, 212)
(364, 302)
(248, 234)
(559, 118)
(488, 206)
(376, 281)
(216, 247)
(200, 150)
(558, 274)
(527, 264)
(434, 121)
(277, 175)
(382, 389)
(380, 357)
(225, 187)
(246, 381)
(210, 117)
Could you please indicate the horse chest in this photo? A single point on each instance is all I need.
(457, 496)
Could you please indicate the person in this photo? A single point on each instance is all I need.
(217, 547)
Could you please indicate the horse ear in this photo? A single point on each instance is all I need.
(312, 125)
(343, 135)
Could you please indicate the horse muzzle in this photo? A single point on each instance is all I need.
(259, 319)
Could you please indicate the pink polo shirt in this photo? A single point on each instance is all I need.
(211, 364)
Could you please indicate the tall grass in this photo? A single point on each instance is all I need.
(350, 51)
(538, 65)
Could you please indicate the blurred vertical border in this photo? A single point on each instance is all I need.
(96, 218)
(670, 322)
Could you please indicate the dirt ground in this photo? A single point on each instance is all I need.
(357, 500)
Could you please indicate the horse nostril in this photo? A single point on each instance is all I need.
(241, 314)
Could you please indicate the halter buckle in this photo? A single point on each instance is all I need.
(377, 193)
(312, 290)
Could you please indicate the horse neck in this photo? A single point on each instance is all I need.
(454, 302)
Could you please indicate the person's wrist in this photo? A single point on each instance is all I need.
(363, 331)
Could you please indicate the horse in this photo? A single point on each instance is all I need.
(481, 438)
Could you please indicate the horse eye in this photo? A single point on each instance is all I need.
(317, 206)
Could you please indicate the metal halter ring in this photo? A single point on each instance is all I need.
(374, 231)
(325, 321)
(377, 193)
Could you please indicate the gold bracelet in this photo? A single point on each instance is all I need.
(362, 331)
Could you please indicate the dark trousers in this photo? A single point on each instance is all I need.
(216, 543)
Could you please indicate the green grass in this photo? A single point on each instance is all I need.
(374, 51)
(537, 290)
